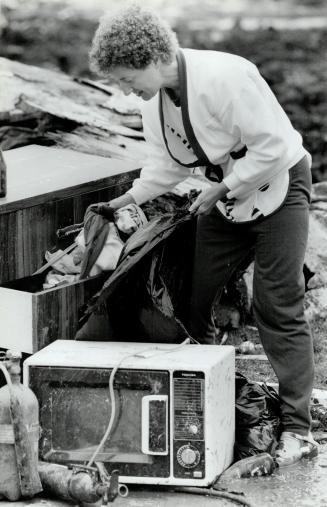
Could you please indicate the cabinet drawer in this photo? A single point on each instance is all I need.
(32, 318)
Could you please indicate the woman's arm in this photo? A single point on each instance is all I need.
(121, 201)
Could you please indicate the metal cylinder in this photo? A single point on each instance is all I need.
(67, 484)
(19, 434)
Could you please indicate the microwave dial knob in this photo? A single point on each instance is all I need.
(193, 429)
(187, 456)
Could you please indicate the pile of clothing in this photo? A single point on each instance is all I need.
(97, 246)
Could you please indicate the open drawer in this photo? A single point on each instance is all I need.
(31, 317)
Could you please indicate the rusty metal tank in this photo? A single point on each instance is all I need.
(19, 434)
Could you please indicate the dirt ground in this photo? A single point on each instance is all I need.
(301, 485)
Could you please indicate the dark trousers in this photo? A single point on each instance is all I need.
(279, 242)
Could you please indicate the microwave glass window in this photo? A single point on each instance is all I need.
(75, 409)
(80, 418)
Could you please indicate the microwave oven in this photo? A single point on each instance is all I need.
(174, 408)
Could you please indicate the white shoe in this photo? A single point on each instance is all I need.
(293, 447)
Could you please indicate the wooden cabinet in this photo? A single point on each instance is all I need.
(50, 188)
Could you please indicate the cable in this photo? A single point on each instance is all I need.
(113, 410)
(214, 492)
(112, 393)
(189, 490)
(187, 341)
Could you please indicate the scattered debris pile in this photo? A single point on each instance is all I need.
(40, 106)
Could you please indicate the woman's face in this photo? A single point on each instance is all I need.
(145, 83)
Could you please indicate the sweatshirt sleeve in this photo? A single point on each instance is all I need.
(160, 173)
(254, 115)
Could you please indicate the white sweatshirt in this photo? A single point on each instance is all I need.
(230, 106)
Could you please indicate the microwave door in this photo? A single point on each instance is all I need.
(155, 425)
(75, 409)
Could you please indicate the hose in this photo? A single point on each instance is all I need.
(214, 492)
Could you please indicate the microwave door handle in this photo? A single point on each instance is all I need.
(147, 415)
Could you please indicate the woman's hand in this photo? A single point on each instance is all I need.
(121, 201)
(208, 198)
(107, 209)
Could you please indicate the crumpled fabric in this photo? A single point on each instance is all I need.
(53, 279)
(98, 244)
(96, 229)
(129, 218)
(103, 245)
(62, 263)
(109, 254)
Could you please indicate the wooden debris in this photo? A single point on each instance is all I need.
(252, 357)
(97, 142)
(46, 107)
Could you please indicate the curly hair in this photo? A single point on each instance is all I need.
(133, 37)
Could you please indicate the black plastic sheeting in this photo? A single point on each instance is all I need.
(147, 297)
(257, 411)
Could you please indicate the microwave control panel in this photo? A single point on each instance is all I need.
(188, 423)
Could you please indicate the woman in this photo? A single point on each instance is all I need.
(212, 109)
